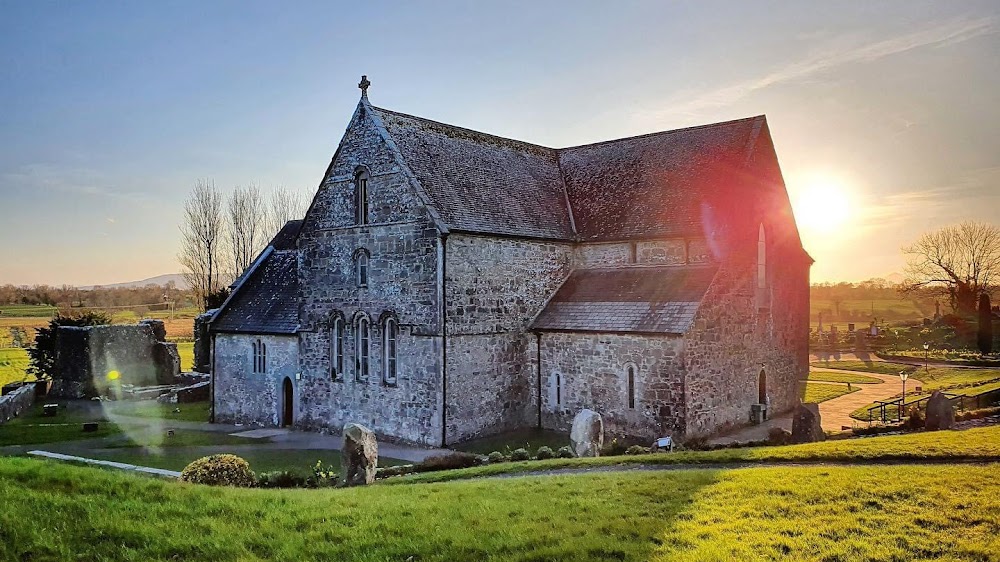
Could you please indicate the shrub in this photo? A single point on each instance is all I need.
(280, 479)
(448, 461)
(398, 470)
(637, 450)
(496, 457)
(323, 476)
(219, 470)
(614, 448)
(977, 414)
(916, 418)
(520, 454)
(544, 453)
(565, 452)
(696, 443)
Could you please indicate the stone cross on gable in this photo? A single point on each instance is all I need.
(363, 84)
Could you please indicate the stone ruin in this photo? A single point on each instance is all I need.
(203, 342)
(94, 360)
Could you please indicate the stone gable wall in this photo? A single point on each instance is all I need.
(255, 399)
(592, 368)
(677, 251)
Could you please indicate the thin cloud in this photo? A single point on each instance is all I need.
(692, 104)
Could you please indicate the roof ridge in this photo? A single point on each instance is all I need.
(667, 132)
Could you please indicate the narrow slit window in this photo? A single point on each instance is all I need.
(558, 389)
(256, 357)
(761, 259)
(364, 348)
(361, 198)
(389, 340)
(631, 386)
(362, 268)
(259, 357)
(337, 348)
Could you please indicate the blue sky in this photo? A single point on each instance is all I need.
(113, 110)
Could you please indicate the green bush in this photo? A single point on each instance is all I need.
(322, 476)
(496, 457)
(220, 470)
(520, 454)
(280, 479)
(637, 450)
(565, 452)
(448, 461)
(544, 453)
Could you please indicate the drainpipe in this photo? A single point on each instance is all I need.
(538, 368)
(444, 340)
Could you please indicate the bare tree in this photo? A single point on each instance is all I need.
(245, 229)
(200, 239)
(963, 260)
(285, 205)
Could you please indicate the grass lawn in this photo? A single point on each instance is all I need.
(28, 310)
(51, 511)
(261, 460)
(19, 432)
(14, 365)
(192, 411)
(879, 367)
(821, 392)
(186, 350)
(143, 437)
(530, 439)
(834, 376)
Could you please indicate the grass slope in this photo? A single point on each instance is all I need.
(821, 392)
(834, 376)
(60, 512)
(191, 411)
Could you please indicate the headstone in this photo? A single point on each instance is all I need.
(50, 410)
(940, 412)
(663, 444)
(89, 427)
(587, 434)
(359, 455)
(806, 424)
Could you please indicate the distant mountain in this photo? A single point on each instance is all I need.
(161, 280)
(895, 278)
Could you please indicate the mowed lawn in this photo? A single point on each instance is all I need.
(880, 367)
(834, 376)
(52, 511)
(816, 392)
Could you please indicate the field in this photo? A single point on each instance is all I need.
(13, 365)
(820, 392)
(953, 380)
(860, 311)
(866, 366)
(28, 310)
(877, 513)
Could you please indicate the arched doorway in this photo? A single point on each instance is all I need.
(762, 387)
(287, 395)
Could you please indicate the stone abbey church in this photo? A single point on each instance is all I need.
(447, 284)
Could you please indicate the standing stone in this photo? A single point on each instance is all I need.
(806, 424)
(359, 455)
(587, 435)
(940, 412)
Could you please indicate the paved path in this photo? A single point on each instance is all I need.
(836, 413)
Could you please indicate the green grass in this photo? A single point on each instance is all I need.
(31, 427)
(261, 460)
(186, 351)
(953, 380)
(52, 511)
(141, 437)
(821, 392)
(880, 367)
(28, 310)
(834, 376)
(980, 443)
(192, 411)
(530, 439)
(14, 365)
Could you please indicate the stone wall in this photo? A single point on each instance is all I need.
(203, 342)
(592, 371)
(256, 399)
(86, 356)
(13, 404)
(674, 251)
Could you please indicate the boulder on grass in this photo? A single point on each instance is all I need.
(359, 455)
(806, 424)
(940, 412)
(587, 435)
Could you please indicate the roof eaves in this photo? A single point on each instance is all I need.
(240, 282)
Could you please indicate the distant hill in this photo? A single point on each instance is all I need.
(161, 280)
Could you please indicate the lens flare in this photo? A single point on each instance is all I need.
(114, 375)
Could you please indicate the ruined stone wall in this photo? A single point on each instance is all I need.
(404, 251)
(592, 371)
(13, 404)
(85, 356)
(732, 338)
(203, 342)
(255, 399)
(494, 289)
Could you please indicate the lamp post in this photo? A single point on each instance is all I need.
(927, 346)
(903, 375)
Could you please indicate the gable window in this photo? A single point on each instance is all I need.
(363, 340)
(361, 197)
(630, 374)
(389, 359)
(337, 348)
(761, 259)
(259, 356)
(361, 267)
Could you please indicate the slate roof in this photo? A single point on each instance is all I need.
(267, 300)
(286, 237)
(636, 299)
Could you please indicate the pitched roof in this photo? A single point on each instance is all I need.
(266, 302)
(286, 237)
(480, 182)
(636, 299)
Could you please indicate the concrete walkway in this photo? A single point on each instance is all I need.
(836, 413)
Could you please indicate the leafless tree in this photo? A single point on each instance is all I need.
(285, 205)
(200, 239)
(245, 229)
(963, 260)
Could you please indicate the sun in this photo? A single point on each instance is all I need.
(822, 205)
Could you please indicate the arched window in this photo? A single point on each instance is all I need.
(630, 374)
(363, 340)
(391, 333)
(259, 357)
(761, 259)
(361, 267)
(361, 197)
(337, 348)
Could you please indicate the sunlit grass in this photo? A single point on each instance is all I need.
(14, 365)
(821, 392)
(833, 376)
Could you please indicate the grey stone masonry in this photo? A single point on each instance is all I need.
(13, 404)
(254, 398)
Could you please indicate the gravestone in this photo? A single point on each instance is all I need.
(359, 455)
(940, 412)
(587, 434)
(807, 425)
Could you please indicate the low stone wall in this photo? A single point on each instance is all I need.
(13, 404)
